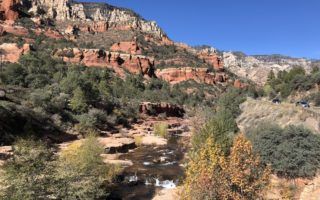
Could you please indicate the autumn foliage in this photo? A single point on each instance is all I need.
(213, 175)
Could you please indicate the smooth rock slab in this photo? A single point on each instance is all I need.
(114, 145)
(154, 140)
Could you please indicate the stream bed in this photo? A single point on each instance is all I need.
(154, 168)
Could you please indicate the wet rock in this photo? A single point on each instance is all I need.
(114, 145)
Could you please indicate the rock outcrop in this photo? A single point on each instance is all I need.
(257, 68)
(155, 109)
(96, 17)
(11, 52)
(199, 75)
(22, 31)
(8, 10)
(238, 84)
(127, 47)
(15, 30)
(120, 62)
(211, 57)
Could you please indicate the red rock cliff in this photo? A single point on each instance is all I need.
(127, 47)
(135, 64)
(200, 75)
(8, 11)
(11, 52)
(211, 57)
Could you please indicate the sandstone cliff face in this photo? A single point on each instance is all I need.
(127, 47)
(11, 52)
(120, 62)
(98, 16)
(257, 69)
(211, 57)
(8, 10)
(199, 75)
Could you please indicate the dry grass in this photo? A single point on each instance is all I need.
(257, 111)
(161, 129)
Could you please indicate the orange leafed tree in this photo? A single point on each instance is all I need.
(213, 175)
(248, 177)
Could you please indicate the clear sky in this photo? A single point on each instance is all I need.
(289, 27)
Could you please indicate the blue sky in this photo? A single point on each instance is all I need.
(289, 27)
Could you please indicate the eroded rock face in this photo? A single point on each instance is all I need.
(8, 10)
(15, 30)
(177, 75)
(257, 68)
(170, 110)
(11, 52)
(127, 47)
(98, 17)
(120, 62)
(211, 57)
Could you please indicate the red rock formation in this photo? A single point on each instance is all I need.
(11, 52)
(2, 31)
(127, 47)
(15, 30)
(238, 84)
(135, 64)
(211, 58)
(21, 31)
(177, 75)
(164, 40)
(93, 27)
(170, 110)
(221, 78)
(7, 10)
(49, 33)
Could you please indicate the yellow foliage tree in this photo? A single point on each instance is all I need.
(204, 175)
(213, 175)
(247, 176)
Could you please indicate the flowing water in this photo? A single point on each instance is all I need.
(154, 168)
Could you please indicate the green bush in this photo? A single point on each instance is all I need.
(293, 152)
(27, 175)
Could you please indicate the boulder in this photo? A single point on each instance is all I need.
(2, 94)
(114, 145)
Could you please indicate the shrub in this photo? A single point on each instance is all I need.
(81, 172)
(78, 102)
(14, 74)
(315, 98)
(27, 174)
(231, 101)
(161, 129)
(293, 152)
(211, 174)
